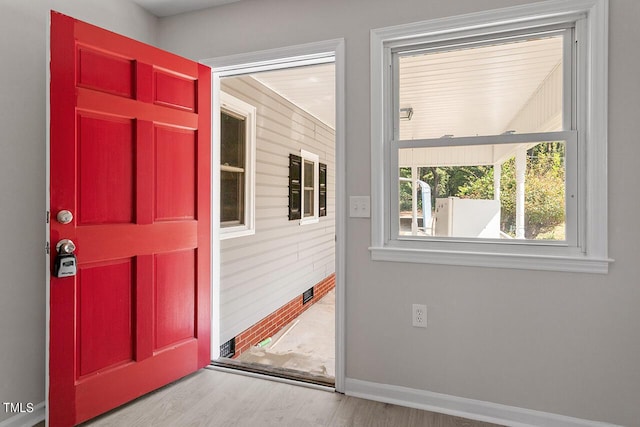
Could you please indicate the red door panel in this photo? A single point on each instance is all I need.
(174, 91)
(104, 334)
(130, 158)
(175, 173)
(175, 294)
(106, 152)
(109, 73)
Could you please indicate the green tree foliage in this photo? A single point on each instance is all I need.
(405, 190)
(544, 190)
(448, 181)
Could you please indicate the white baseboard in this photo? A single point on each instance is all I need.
(462, 407)
(26, 419)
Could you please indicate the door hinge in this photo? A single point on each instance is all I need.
(48, 214)
(46, 248)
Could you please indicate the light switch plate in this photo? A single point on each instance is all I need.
(360, 207)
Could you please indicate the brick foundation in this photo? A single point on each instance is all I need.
(271, 324)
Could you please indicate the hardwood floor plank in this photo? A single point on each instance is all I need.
(211, 398)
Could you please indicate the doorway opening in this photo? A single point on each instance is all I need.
(278, 220)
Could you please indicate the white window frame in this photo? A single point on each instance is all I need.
(248, 112)
(310, 157)
(586, 247)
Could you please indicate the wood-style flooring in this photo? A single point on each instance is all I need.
(213, 398)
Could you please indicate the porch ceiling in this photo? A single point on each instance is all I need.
(311, 88)
(475, 91)
(481, 91)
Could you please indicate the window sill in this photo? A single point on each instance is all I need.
(238, 232)
(577, 264)
(312, 220)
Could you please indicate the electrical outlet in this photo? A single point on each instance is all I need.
(419, 315)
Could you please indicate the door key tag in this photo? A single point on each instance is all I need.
(65, 264)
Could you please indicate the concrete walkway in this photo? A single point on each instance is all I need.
(306, 345)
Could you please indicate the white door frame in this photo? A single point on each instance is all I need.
(267, 60)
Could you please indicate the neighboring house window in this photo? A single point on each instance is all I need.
(490, 133)
(237, 167)
(307, 187)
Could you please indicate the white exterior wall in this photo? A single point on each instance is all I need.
(262, 272)
(23, 44)
(563, 343)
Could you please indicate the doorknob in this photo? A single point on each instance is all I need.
(64, 217)
(65, 246)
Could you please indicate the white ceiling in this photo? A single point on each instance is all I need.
(162, 8)
(311, 88)
(477, 91)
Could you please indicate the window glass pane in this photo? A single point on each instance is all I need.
(488, 89)
(502, 191)
(308, 174)
(231, 198)
(308, 202)
(232, 140)
(309, 194)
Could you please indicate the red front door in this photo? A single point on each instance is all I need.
(130, 159)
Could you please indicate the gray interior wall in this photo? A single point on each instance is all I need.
(557, 342)
(23, 44)
(262, 272)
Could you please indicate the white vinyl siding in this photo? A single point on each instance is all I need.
(261, 272)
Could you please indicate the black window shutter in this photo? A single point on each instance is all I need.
(323, 189)
(295, 197)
